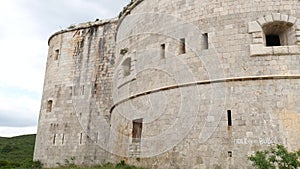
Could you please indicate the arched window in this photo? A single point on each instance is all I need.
(56, 55)
(49, 105)
(126, 65)
(275, 34)
(279, 33)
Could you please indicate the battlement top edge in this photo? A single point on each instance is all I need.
(83, 25)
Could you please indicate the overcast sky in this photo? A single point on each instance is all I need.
(25, 26)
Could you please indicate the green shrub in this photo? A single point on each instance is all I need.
(3, 163)
(275, 157)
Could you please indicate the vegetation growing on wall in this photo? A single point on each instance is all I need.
(17, 153)
(121, 165)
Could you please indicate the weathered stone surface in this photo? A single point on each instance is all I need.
(196, 77)
(254, 27)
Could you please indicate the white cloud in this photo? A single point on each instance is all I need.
(16, 131)
(18, 110)
(25, 28)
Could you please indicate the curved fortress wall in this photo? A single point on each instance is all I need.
(208, 82)
(74, 115)
(174, 84)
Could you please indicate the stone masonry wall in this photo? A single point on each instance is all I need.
(193, 64)
(186, 84)
(78, 82)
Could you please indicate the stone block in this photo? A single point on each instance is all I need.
(294, 49)
(292, 19)
(276, 16)
(254, 27)
(260, 50)
(278, 50)
(261, 20)
(284, 17)
(257, 34)
(269, 18)
(297, 24)
(258, 41)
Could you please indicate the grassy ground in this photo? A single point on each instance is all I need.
(120, 165)
(17, 153)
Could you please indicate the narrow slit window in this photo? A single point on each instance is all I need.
(273, 40)
(63, 139)
(56, 54)
(229, 118)
(49, 105)
(54, 139)
(80, 139)
(95, 88)
(70, 91)
(162, 51)
(182, 46)
(205, 36)
(137, 130)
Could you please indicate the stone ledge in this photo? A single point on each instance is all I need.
(205, 82)
(261, 50)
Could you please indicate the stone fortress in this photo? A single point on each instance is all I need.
(186, 84)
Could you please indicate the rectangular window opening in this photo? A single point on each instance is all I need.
(137, 130)
(205, 35)
(273, 40)
(49, 105)
(70, 91)
(229, 118)
(182, 46)
(63, 139)
(80, 140)
(229, 153)
(56, 54)
(162, 51)
(95, 88)
(54, 138)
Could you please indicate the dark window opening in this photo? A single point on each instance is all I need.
(182, 46)
(229, 118)
(63, 139)
(137, 130)
(80, 140)
(95, 88)
(70, 91)
(279, 33)
(229, 153)
(123, 51)
(56, 54)
(272, 40)
(49, 105)
(205, 35)
(162, 51)
(54, 138)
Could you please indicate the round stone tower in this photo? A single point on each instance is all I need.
(74, 117)
(204, 84)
